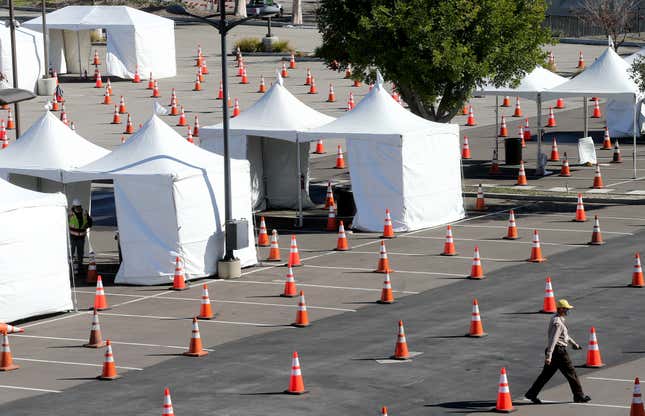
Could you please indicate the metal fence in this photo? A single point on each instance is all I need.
(574, 26)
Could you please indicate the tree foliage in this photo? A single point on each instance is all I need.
(435, 51)
(637, 72)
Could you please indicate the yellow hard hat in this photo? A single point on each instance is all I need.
(563, 303)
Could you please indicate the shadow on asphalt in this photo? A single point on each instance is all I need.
(471, 406)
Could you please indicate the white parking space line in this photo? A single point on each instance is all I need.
(112, 294)
(364, 269)
(457, 239)
(573, 214)
(539, 229)
(135, 344)
(430, 254)
(613, 406)
(214, 321)
(627, 181)
(347, 288)
(328, 308)
(611, 379)
(2, 386)
(139, 299)
(72, 363)
(46, 321)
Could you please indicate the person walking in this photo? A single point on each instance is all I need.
(557, 358)
(79, 222)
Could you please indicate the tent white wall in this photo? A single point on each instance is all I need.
(265, 134)
(29, 56)
(135, 39)
(34, 272)
(399, 161)
(169, 197)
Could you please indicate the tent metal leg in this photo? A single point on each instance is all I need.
(540, 168)
(80, 60)
(70, 260)
(634, 129)
(300, 183)
(585, 111)
(497, 125)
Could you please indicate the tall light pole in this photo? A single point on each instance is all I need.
(223, 26)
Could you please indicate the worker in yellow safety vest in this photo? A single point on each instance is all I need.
(79, 222)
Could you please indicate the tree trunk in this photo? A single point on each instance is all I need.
(296, 19)
(240, 8)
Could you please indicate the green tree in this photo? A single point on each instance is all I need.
(435, 51)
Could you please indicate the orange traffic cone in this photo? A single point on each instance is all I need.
(292, 61)
(63, 118)
(331, 97)
(11, 124)
(122, 108)
(220, 93)
(129, 127)
(294, 255)
(401, 350)
(151, 82)
(350, 102)
(527, 130)
(521, 136)
(449, 245)
(109, 86)
(548, 306)
(308, 77)
(388, 230)
(552, 66)
(91, 275)
(263, 86)
(96, 60)
(331, 219)
(320, 147)
(274, 251)
(596, 236)
(109, 367)
(551, 120)
(284, 73)
(581, 216)
(116, 118)
(480, 203)
(137, 78)
(503, 130)
(155, 90)
(263, 236)
(476, 327)
(340, 160)
(55, 106)
(383, 261)
(96, 339)
(182, 118)
(245, 78)
(386, 293)
(198, 85)
(616, 158)
(465, 150)
(504, 402)
(464, 108)
(10, 329)
(167, 409)
(6, 359)
(302, 317)
(581, 61)
(536, 250)
(357, 83)
(637, 275)
(196, 127)
(606, 143)
(521, 177)
(205, 310)
(494, 165)
(471, 117)
(348, 72)
(506, 102)
(99, 81)
(329, 199)
(290, 289)
(593, 351)
(518, 108)
(565, 171)
(173, 107)
(555, 155)
(511, 232)
(342, 244)
(559, 104)
(100, 301)
(637, 408)
(179, 280)
(296, 383)
(195, 348)
(597, 179)
(596, 110)
(476, 270)
(312, 87)
(236, 108)
(106, 97)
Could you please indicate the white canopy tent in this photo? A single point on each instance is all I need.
(264, 135)
(169, 200)
(399, 161)
(29, 57)
(135, 39)
(44, 153)
(530, 87)
(607, 77)
(34, 268)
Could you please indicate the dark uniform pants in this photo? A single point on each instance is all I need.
(559, 361)
(78, 248)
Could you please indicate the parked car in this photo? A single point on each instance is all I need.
(263, 7)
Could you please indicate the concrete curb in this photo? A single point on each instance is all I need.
(597, 42)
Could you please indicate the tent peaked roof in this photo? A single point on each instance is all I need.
(155, 149)
(377, 114)
(278, 114)
(608, 76)
(47, 149)
(538, 80)
(87, 17)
